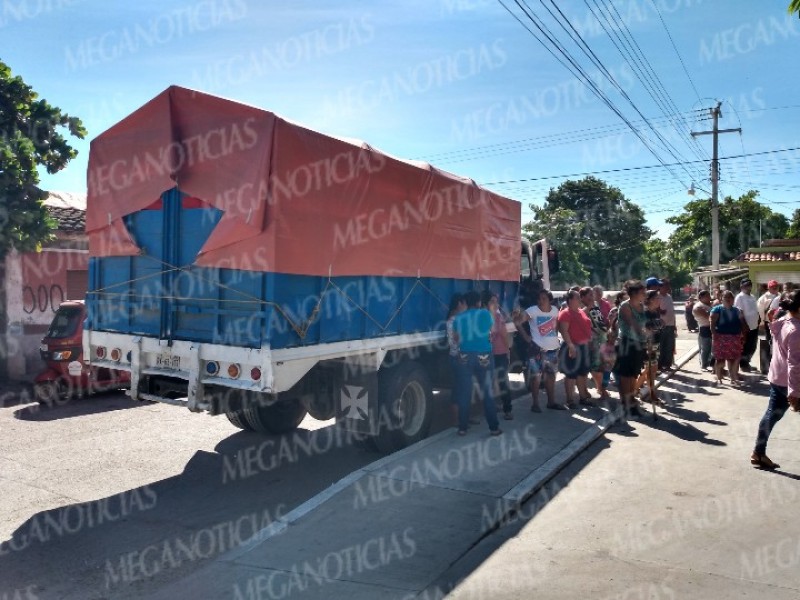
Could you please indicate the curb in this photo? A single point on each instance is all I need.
(511, 500)
(664, 377)
(516, 496)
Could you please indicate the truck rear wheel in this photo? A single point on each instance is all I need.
(237, 419)
(320, 406)
(282, 417)
(406, 407)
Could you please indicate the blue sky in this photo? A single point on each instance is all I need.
(458, 82)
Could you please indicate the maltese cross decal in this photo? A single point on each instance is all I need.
(355, 402)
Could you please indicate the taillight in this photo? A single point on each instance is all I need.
(255, 373)
(116, 354)
(212, 367)
(100, 352)
(233, 371)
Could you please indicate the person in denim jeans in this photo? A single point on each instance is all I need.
(457, 305)
(784, 377)
(472, 329)
(702, 314)
(500, 353)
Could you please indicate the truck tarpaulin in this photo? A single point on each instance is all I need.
(295, 200)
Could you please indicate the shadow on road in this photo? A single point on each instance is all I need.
(78, 407)
(141, 538)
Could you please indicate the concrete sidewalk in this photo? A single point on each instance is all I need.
(391, 528)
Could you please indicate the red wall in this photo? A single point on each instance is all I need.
(44, 279)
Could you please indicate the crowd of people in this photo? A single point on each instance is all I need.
(586, 339)
(589, 339)
(729, 328)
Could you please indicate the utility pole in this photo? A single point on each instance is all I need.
(716, 113)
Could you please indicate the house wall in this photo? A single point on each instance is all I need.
(35, 285)
(779, 271)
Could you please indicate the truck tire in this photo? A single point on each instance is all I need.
(320, 407)
(237, 419)
(282, 417)
(406, 404)
(51, 393)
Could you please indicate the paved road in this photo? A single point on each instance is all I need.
(667, 510)
(97, 489)
(93, 484)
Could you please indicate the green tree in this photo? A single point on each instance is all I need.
(605, 231)
(30, 137)
(743, 222)
(660, 260)
(563, 230)
(794, 6)
(793, 233)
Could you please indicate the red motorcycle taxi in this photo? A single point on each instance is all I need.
(66, 375)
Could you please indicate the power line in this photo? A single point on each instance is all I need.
(621, 170)
(538, 142)
(576, 37)
(674, 47)
(576, 70)
(639, 63)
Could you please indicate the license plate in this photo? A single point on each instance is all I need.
(166, 360)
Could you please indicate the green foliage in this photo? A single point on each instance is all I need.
(30, 136)
(562, 229)
(660, 260)
(599, 233)
(794, 6)
(739, 221)
(793, 233)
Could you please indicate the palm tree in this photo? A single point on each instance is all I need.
(794, 6)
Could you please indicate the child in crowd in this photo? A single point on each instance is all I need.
(653, 326)
(608, 356)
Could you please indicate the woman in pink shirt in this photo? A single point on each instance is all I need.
(500, 350)
(784, 376)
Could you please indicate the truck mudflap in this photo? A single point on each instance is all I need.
(391, 408)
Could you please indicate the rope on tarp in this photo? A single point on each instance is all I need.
(302, 329)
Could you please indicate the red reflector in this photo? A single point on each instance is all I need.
(255, 374)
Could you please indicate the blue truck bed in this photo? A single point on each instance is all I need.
(161, 293)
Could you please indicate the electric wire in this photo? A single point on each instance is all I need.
(674, 47)
(580, 73)
(641, 66)
(624, 169)
(576, 37)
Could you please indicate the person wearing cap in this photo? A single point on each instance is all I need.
(765, 351)
(652, 283)
(747, 304)
(666, 346)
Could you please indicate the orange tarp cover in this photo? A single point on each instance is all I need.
(295, 200)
